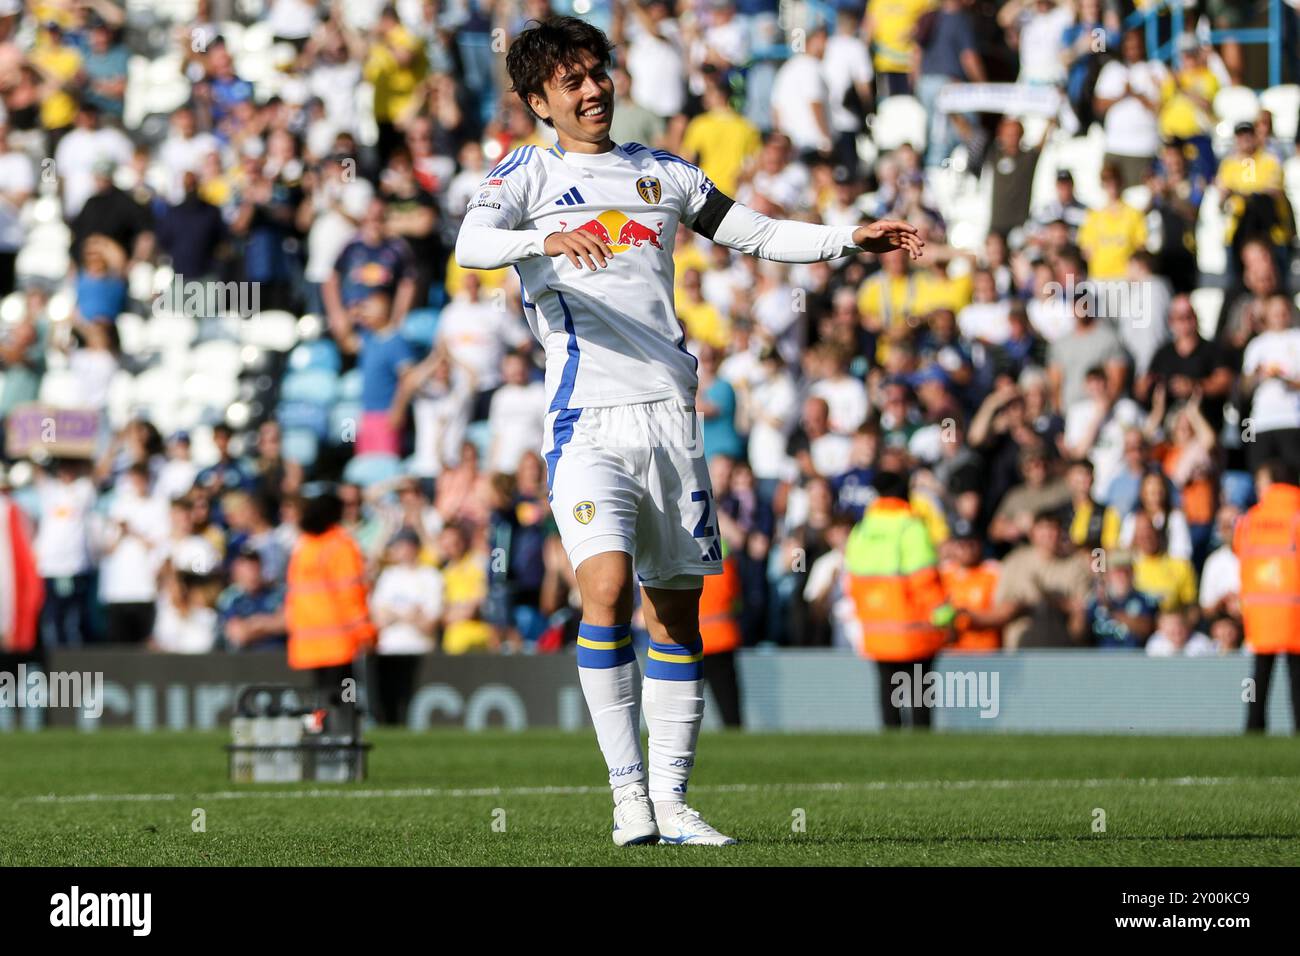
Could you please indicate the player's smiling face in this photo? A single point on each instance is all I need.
(579, 102)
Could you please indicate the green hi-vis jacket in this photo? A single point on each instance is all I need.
(893, 577)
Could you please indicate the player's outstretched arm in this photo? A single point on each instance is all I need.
(786, 240)
(480, 246)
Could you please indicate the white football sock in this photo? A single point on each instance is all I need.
(673, 711)
(611, 694)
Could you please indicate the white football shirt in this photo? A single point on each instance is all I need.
(612, 336)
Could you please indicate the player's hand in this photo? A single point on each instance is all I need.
(886, 235)
(578, 246)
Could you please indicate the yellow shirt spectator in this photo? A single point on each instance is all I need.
(894, 21)
(721, 140)
(1251, 174)
(1170, 581)
(465, 583)
(704, 323)
(1109, 237)
(61, 64)
(1181, 116)
(1110, 526)
(393, 82)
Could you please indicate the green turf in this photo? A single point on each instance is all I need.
(866, 800)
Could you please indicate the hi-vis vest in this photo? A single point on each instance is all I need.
(1267, 541)
(973, 589)
(325, 605)
(720, 608)
(894, 581)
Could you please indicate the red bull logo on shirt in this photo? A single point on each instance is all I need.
(619, 231)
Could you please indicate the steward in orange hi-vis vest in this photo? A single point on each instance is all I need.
(720, 608)
(893, 576)
(894, 580)
(720, 604)
(1267, 542)
(325, 605)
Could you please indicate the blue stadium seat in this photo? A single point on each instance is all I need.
(420, 327)
(350, 386)
(305, 416)
(366, 470)
(316, 385)
(300, 445)
(319, 354)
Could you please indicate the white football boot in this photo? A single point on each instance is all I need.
(682, 825)
(634, 818)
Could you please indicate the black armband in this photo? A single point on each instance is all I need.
(716, 205)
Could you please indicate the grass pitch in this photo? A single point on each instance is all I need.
(538, 798)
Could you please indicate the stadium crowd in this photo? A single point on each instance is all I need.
(1080, 404)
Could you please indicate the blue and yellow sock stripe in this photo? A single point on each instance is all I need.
(601, 647)
(675, 661)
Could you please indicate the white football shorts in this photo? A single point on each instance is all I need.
(634, 478)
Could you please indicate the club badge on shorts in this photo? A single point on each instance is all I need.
(649, 188)
(584, 511)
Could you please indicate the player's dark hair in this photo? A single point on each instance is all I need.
(539, 51)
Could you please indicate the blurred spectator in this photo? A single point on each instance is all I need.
(971, 584)
(1019, 512)
(84, 160)
(395, 64)
(1044, 589)
(1128, 97)
(465, 589)
(1188, 365)
(1270, 372)
(1119, 616)
(716, 404)
(847, 64)
(22, 353)
(801, 98)
(1090, 525)
(251, 609)
(63, 554)
(948, 54)
(192, 233)
(384, 357)
(17, 184)
(1166, 578)
(1220, 591)
(1175, 637)
(1039, 31)
(372, 263)
(655, 58)
(105, 69)
(407, 606)
(477, 333)
(228, 473)
(515, 415)
(1111, 234)
(133, 552)
(250, 526)
(892, 25)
